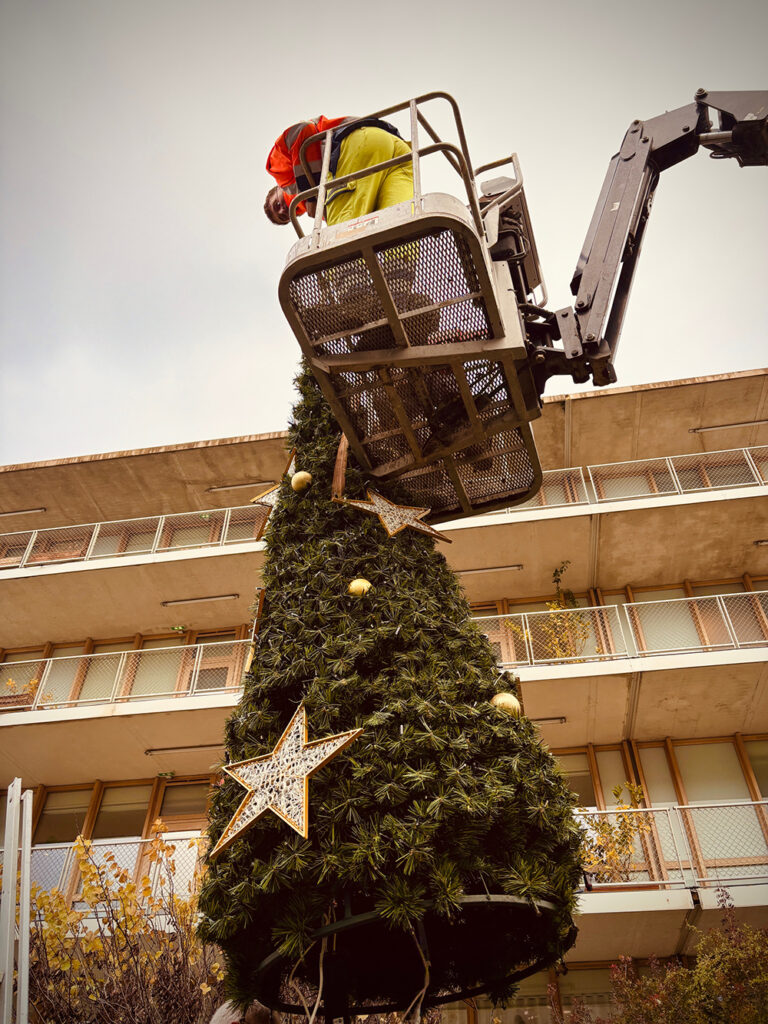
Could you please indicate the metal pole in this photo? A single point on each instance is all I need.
(22, 985)
(8, 904)
(28, 550)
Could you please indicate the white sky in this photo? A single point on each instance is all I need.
(138, 275)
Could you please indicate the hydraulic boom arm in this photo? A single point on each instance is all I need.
(603, 276)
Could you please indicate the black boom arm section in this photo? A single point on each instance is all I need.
(603, 278)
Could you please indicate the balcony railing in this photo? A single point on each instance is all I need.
(701, 845)
(636, 629)
(696, 846)
(53, 865)
(122, 676)
(651, 478)
(219, 527)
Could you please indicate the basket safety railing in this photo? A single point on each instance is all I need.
(691, 846)
(650, 478)
(457, 156)
(633, 629)
(89, 542)
(122, 676)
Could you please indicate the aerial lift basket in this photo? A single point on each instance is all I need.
(414, 336)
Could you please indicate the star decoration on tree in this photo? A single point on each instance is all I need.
(268, 499)
(279, 781)
(393, 517)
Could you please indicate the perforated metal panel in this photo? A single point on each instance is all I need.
(402, 328)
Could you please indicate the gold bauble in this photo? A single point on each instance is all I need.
(300, 481)
(359, 587)
(508, 703)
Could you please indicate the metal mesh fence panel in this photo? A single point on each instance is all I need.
(245, 523)
(122, 675)
(700, 623)
(559, 487)
(552, 637)
(191, 530)
(19, 682)
(130, 537)
(13, 547)
(748, 617)
(614, 481)
(637, 846)
(731, 840)
(54, 866)
(67, 544)
(713, 470)
(759, 458)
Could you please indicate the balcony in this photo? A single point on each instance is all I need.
(123, 715)
(688, 667)
(122, 677)
(129, 538)
(696, 846)
(653, 860)
(634, 629)
(651, 478)
(134, 570)
(681, 517)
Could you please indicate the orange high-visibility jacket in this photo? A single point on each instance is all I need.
(283, 162)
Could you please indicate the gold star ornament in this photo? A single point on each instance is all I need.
(279, 781)
(393, 517)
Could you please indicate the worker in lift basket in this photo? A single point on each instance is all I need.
(353, 147)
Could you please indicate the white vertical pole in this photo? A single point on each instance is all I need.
(8, 904)
(22, 985)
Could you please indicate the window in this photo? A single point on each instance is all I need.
(122, 811)
(757, 752)
(711, 773)
(220, 663)
(579, 777)
(63, 816)
(184, 804)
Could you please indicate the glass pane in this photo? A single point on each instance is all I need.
(592, 987)
(711, 773)
(579, 777)
(185, 800)
(122, 812)
(216, 638)
(63, 816)
(187, 536)
(610, 764)
(658, 778)
(718, 588)
(757, 751)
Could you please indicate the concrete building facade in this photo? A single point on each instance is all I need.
(128, 592)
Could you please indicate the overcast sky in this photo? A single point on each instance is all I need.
(138, 275)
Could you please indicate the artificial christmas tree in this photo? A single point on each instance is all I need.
(442, 852)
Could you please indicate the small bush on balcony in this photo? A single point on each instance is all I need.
(611, 848)
(125, 952)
